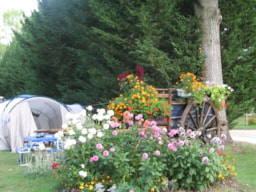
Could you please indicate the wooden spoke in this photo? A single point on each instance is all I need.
(202, 118)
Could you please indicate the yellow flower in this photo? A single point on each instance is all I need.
(91, 187)
(81, 186)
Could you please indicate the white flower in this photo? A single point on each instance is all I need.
(74, 121)
(92, 131)
(89, 108)
(69, 143)
(83, 173)
(90, 136)
(100, 134)
(94, 116)
(211, 150)
(82, 139)
(164, 130)
(84, 131)
(209, 135)
(82, 165)
(205, 160)
(79, 126)
(71, 132)
(64, 126)
(106, 126)
(101, 111)
(100, 117)
(59, 135)
(107, 117)
(110, 112)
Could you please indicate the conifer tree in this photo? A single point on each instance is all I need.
(238, 40)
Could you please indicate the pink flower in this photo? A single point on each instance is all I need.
(173, 132)
(91, 159)
(205, 160)
(157, 153)
(138, 117)
(105, 153)
(130, 122)
(114, 133)
(172, 147)
(192, 135)
(144, 155)
(131, 191)
(99, 146)
(141, 133)
(160, 142)
(112, 149)
(95, 158)
(200, 154)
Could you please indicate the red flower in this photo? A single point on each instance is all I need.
(165, 119)
(130, 108)
(63, 167)
(54, 165)
(139, 107)
(140, 71)
(166, 112)
(147, 104)
(130, 101)
(150, 112)
(156, 109)
(123, 75)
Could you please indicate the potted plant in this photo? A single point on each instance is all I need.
(204, 91)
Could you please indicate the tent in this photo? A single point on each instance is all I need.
(22, 115)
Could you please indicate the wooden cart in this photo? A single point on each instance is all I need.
(190, 115)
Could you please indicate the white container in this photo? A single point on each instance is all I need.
(183, 93)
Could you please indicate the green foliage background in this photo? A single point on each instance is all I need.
(74, 50)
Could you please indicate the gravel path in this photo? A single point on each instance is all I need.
(248, 136)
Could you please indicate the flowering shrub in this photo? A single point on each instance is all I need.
(138, 98)
(252, 120)
(204, 91)
(97, 157)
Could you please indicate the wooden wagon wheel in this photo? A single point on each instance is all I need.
(203, 118)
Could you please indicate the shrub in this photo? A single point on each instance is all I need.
(98, 157)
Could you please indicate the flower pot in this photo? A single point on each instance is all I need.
(183, 93)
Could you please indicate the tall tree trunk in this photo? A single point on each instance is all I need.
(209, 13)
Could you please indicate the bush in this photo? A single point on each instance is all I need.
(98, 157)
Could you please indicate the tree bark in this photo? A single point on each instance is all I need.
(209, 13)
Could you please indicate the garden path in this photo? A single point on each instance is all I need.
(248, 136)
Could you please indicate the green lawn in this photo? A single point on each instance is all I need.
(13, 179)
(245, 155)
(241, 124)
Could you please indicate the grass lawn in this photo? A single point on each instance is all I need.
(13, 179)
(241, 124)
(245, 155)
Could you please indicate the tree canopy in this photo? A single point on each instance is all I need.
(74, 50)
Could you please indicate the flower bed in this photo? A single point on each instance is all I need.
(99, 157)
